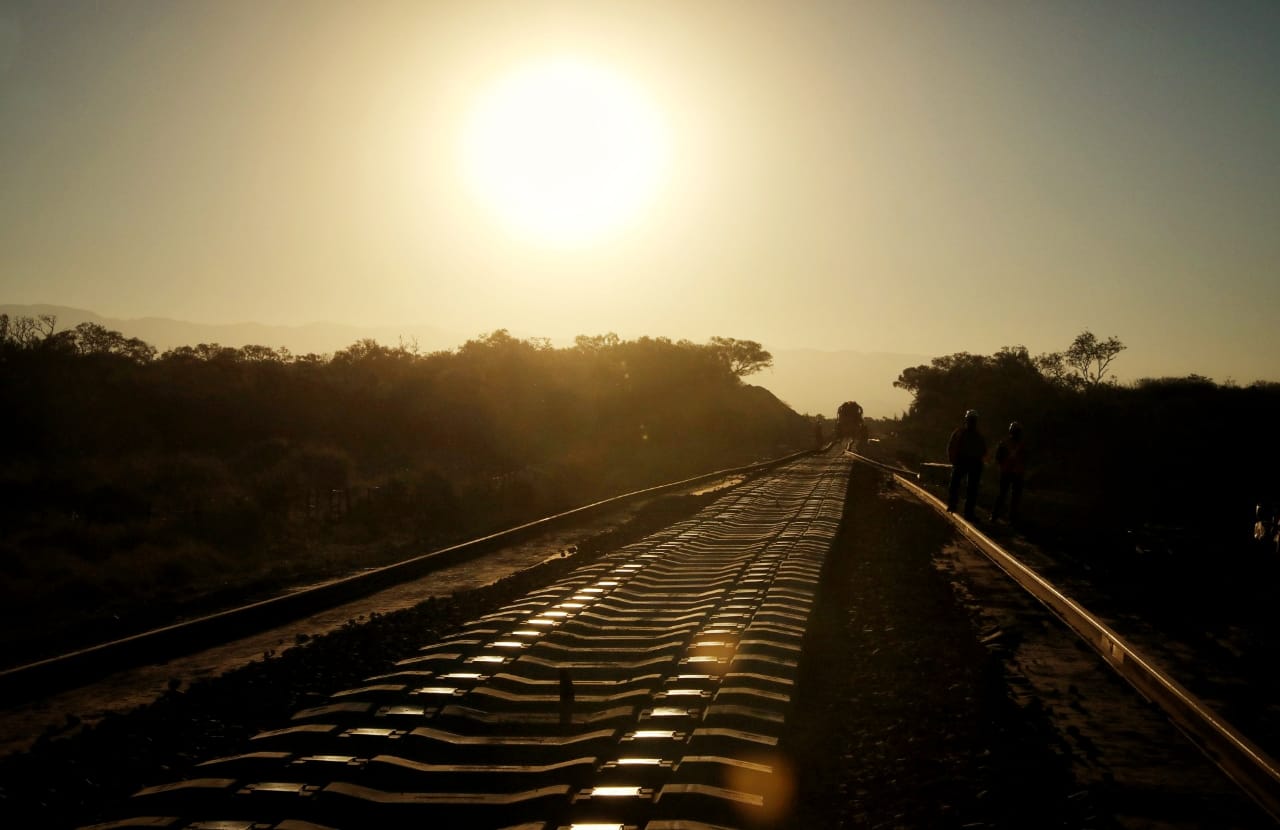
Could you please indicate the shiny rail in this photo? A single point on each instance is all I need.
(649, 689)
(1256, 772)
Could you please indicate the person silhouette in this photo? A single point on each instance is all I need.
(966, 450)
(1011, 457)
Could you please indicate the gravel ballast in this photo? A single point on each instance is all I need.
(903, 717)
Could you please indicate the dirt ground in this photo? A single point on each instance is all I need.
(935, 693)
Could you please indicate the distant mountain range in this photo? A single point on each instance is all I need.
(808, 380)
(164, 333)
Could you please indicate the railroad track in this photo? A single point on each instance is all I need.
(650, 689)
(74, 668)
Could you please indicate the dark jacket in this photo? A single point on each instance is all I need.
(967, 446)
(1011, 455)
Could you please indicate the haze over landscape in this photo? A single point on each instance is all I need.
(672, 387)
(898, 178)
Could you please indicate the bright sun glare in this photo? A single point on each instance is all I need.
(565, 152)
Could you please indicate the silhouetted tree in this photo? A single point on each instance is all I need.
(213, 451)
(26, 332)
(743, 357)
(596, 343)
(94, 339)
(1085, 362)
(1150, 451)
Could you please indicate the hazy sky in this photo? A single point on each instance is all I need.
(923, 177)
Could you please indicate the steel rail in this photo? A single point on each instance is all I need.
(66, 670)
(650, 687)
(888, 468)
(1243, 761)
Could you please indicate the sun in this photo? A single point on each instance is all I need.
(565, 152)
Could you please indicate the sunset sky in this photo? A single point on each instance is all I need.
(914, 177)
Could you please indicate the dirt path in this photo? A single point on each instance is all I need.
(1137, 767)
(942, 695)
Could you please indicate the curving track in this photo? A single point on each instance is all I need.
(648, 690)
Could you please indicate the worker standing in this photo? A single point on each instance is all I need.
(1011, 457)
(966, 451)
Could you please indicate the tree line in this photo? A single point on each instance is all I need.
(167, 469)
(1172, 449)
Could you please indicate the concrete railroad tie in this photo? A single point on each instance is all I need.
(647, 690)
